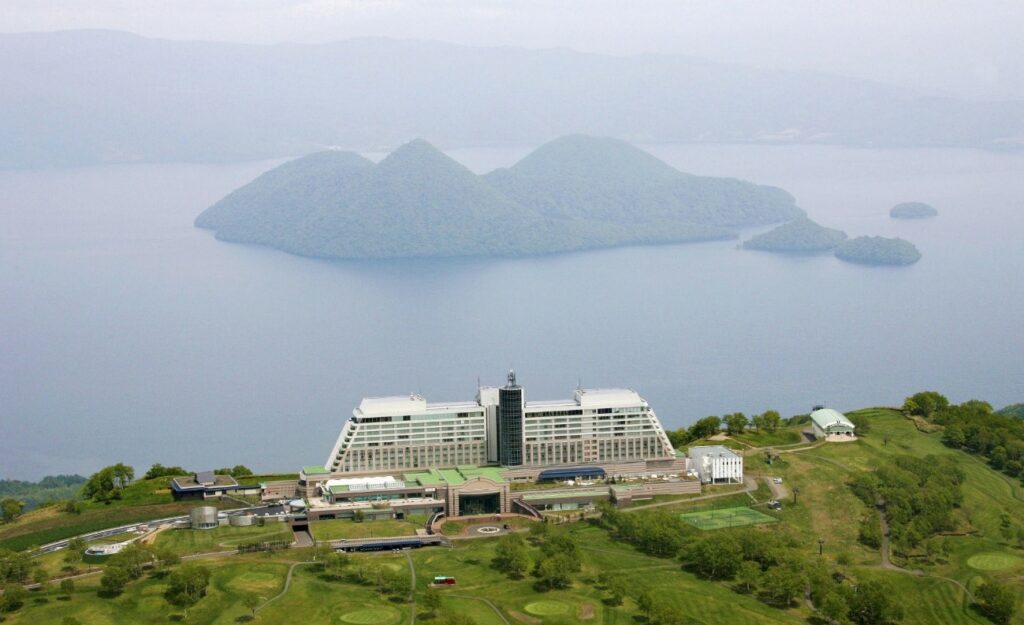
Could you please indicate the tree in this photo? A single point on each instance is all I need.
(564, 544)
(358, 516)
(165, 556)
(748, 575)
(770, 421)
(40, 576)
(73, 552)
(251, 602)
(103, 485)
(784, 583)
(703, 428)
(832, 607)
(133, 559)
(511, 557)
(240, 470)
(539, 531)
(11, 509)
(431, 600)
(67, 586)
(874, 603)
(870, 533)
(159, 470)
(72, 506)
(15, 566)
(996, 601)
(123, 475)
(113, 581)
(617, 586)
(13, 597)
(645, 601)
(925, 404)
(555, 571)
(736, 423)
(187, 585)
(714, 558)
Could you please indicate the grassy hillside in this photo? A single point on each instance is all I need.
(143, 500)
(981, 548)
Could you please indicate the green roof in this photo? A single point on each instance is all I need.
(315, 469)
(591, 492)
(827, 417)
(454, 477)
(430, 477)
(338, 488)
(679, 453)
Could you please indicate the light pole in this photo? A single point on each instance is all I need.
(796, 491)
(821, 546)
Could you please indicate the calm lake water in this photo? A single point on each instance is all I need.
(128, 335)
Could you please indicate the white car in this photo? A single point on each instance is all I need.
(777, 480)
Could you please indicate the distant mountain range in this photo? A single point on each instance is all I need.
(86, 97)
(574, 193)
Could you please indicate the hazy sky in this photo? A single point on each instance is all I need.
(971, 48)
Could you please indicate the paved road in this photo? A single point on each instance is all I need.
(779, 491)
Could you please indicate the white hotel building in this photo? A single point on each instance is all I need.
(596, 426)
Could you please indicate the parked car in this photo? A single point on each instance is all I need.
(777, 480)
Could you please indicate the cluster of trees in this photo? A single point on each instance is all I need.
(237, 471)
(52, 488)
(735, 423)
(108, 483)
(18, 568)
(976, 428)
(159, 470)
(774, 569)
(918, 495)
(10, 509)
(339, 566)
(657, 533)
(997, 601)
(130, 563)
(555, 559)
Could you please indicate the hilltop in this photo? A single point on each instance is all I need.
(798, 236)
(574, 193)
(878, 251)
(912, 210)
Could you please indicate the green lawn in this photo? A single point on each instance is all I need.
(336, 529)
(189, 541)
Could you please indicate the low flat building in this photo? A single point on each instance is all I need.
(832, 425)
(209, 485)
(716, 464)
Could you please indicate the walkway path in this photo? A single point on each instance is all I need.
(488, 602)
(287, 584)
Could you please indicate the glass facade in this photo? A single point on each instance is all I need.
(510, 425)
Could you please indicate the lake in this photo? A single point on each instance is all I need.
(128, 335)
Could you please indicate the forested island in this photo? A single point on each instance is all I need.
(878, 251)
(797, 236)
(912, 210)
(574, 193)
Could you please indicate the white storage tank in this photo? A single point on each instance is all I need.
(203, 518)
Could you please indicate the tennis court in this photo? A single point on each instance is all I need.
(726, 517)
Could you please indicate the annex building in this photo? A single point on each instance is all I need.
(832, 425)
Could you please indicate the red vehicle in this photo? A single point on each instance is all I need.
(442, 580)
